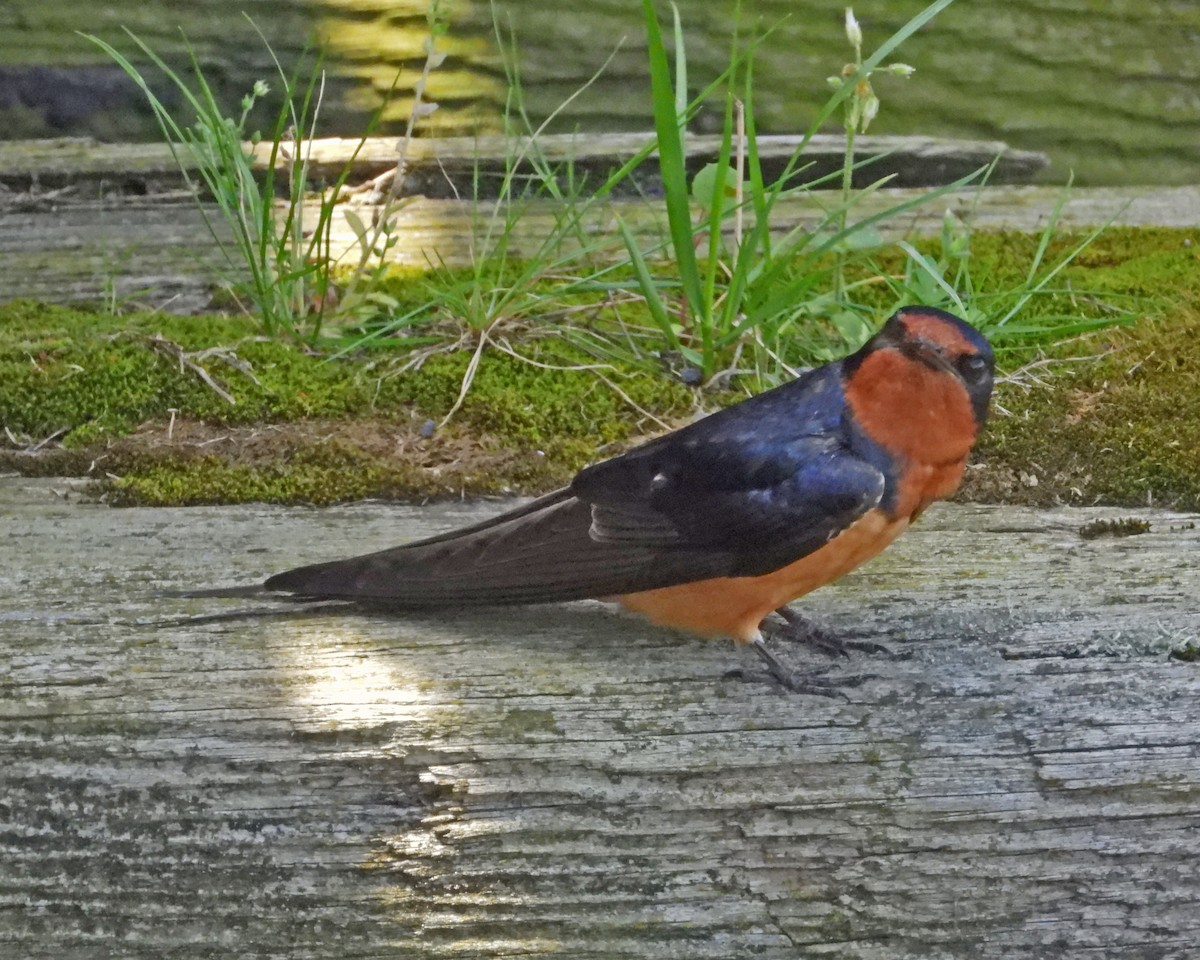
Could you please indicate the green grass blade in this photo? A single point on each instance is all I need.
(672, 164)
(654, 301)
(934, 274)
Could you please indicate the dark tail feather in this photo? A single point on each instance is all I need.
(520, 557)
(542, 552)
(330, 579)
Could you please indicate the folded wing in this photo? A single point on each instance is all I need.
(741, 493)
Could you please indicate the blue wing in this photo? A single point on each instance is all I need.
(743, 492)
(767, 481)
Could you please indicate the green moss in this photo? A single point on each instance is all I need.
(547, 408)
(210, 480)
(529, 724)
(1116, 422)
(1121, 527)
(1116, 426)
(100, 377)
(328, 473)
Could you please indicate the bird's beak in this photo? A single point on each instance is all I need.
(930, 355)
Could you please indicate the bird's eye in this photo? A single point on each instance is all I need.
(973, 368)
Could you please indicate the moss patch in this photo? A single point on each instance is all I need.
(1122, 527)
(126, 400)
(1119, 424)
(143, 403)
(98, 376)
(318, 461)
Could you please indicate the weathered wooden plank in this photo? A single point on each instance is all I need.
(163, 254)
(1019, 779)
(446, 167)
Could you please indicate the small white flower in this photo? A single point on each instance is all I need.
(869, 109)
(260, 88)
(901, 69)
(853, 30)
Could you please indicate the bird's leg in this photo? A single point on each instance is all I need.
(797, 628)
(816, 682)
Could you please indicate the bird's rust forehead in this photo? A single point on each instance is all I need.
(934, 329)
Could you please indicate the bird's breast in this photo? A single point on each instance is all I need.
(735, 606)
(921, 483)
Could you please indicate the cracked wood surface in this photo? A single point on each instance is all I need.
(1020, 777)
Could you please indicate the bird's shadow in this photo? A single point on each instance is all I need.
(590, 622)
(545, 632)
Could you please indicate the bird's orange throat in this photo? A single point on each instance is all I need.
(918, 414)
(922, 417)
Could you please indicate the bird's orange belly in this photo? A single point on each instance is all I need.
(735, 606)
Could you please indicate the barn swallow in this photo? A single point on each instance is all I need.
(714, 526)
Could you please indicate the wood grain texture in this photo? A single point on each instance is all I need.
(61, 249)
(1019, 778)
(446, 167)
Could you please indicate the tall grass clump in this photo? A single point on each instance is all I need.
(1014, 312)
(274, 224)
(741, 304)
(721, 294)
(278, 263)
(715, 293)
(514, 288)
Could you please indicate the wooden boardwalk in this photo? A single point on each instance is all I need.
(1019, 779)
(446, 167)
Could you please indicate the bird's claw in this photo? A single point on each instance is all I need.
(814, 683)
(820, 683)
(796, 628)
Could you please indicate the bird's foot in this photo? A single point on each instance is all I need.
(796, 628)
(820, 683)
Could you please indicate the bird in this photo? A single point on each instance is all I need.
(715, 526)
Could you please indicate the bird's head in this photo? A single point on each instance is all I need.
(922, 384)
(942, 342)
